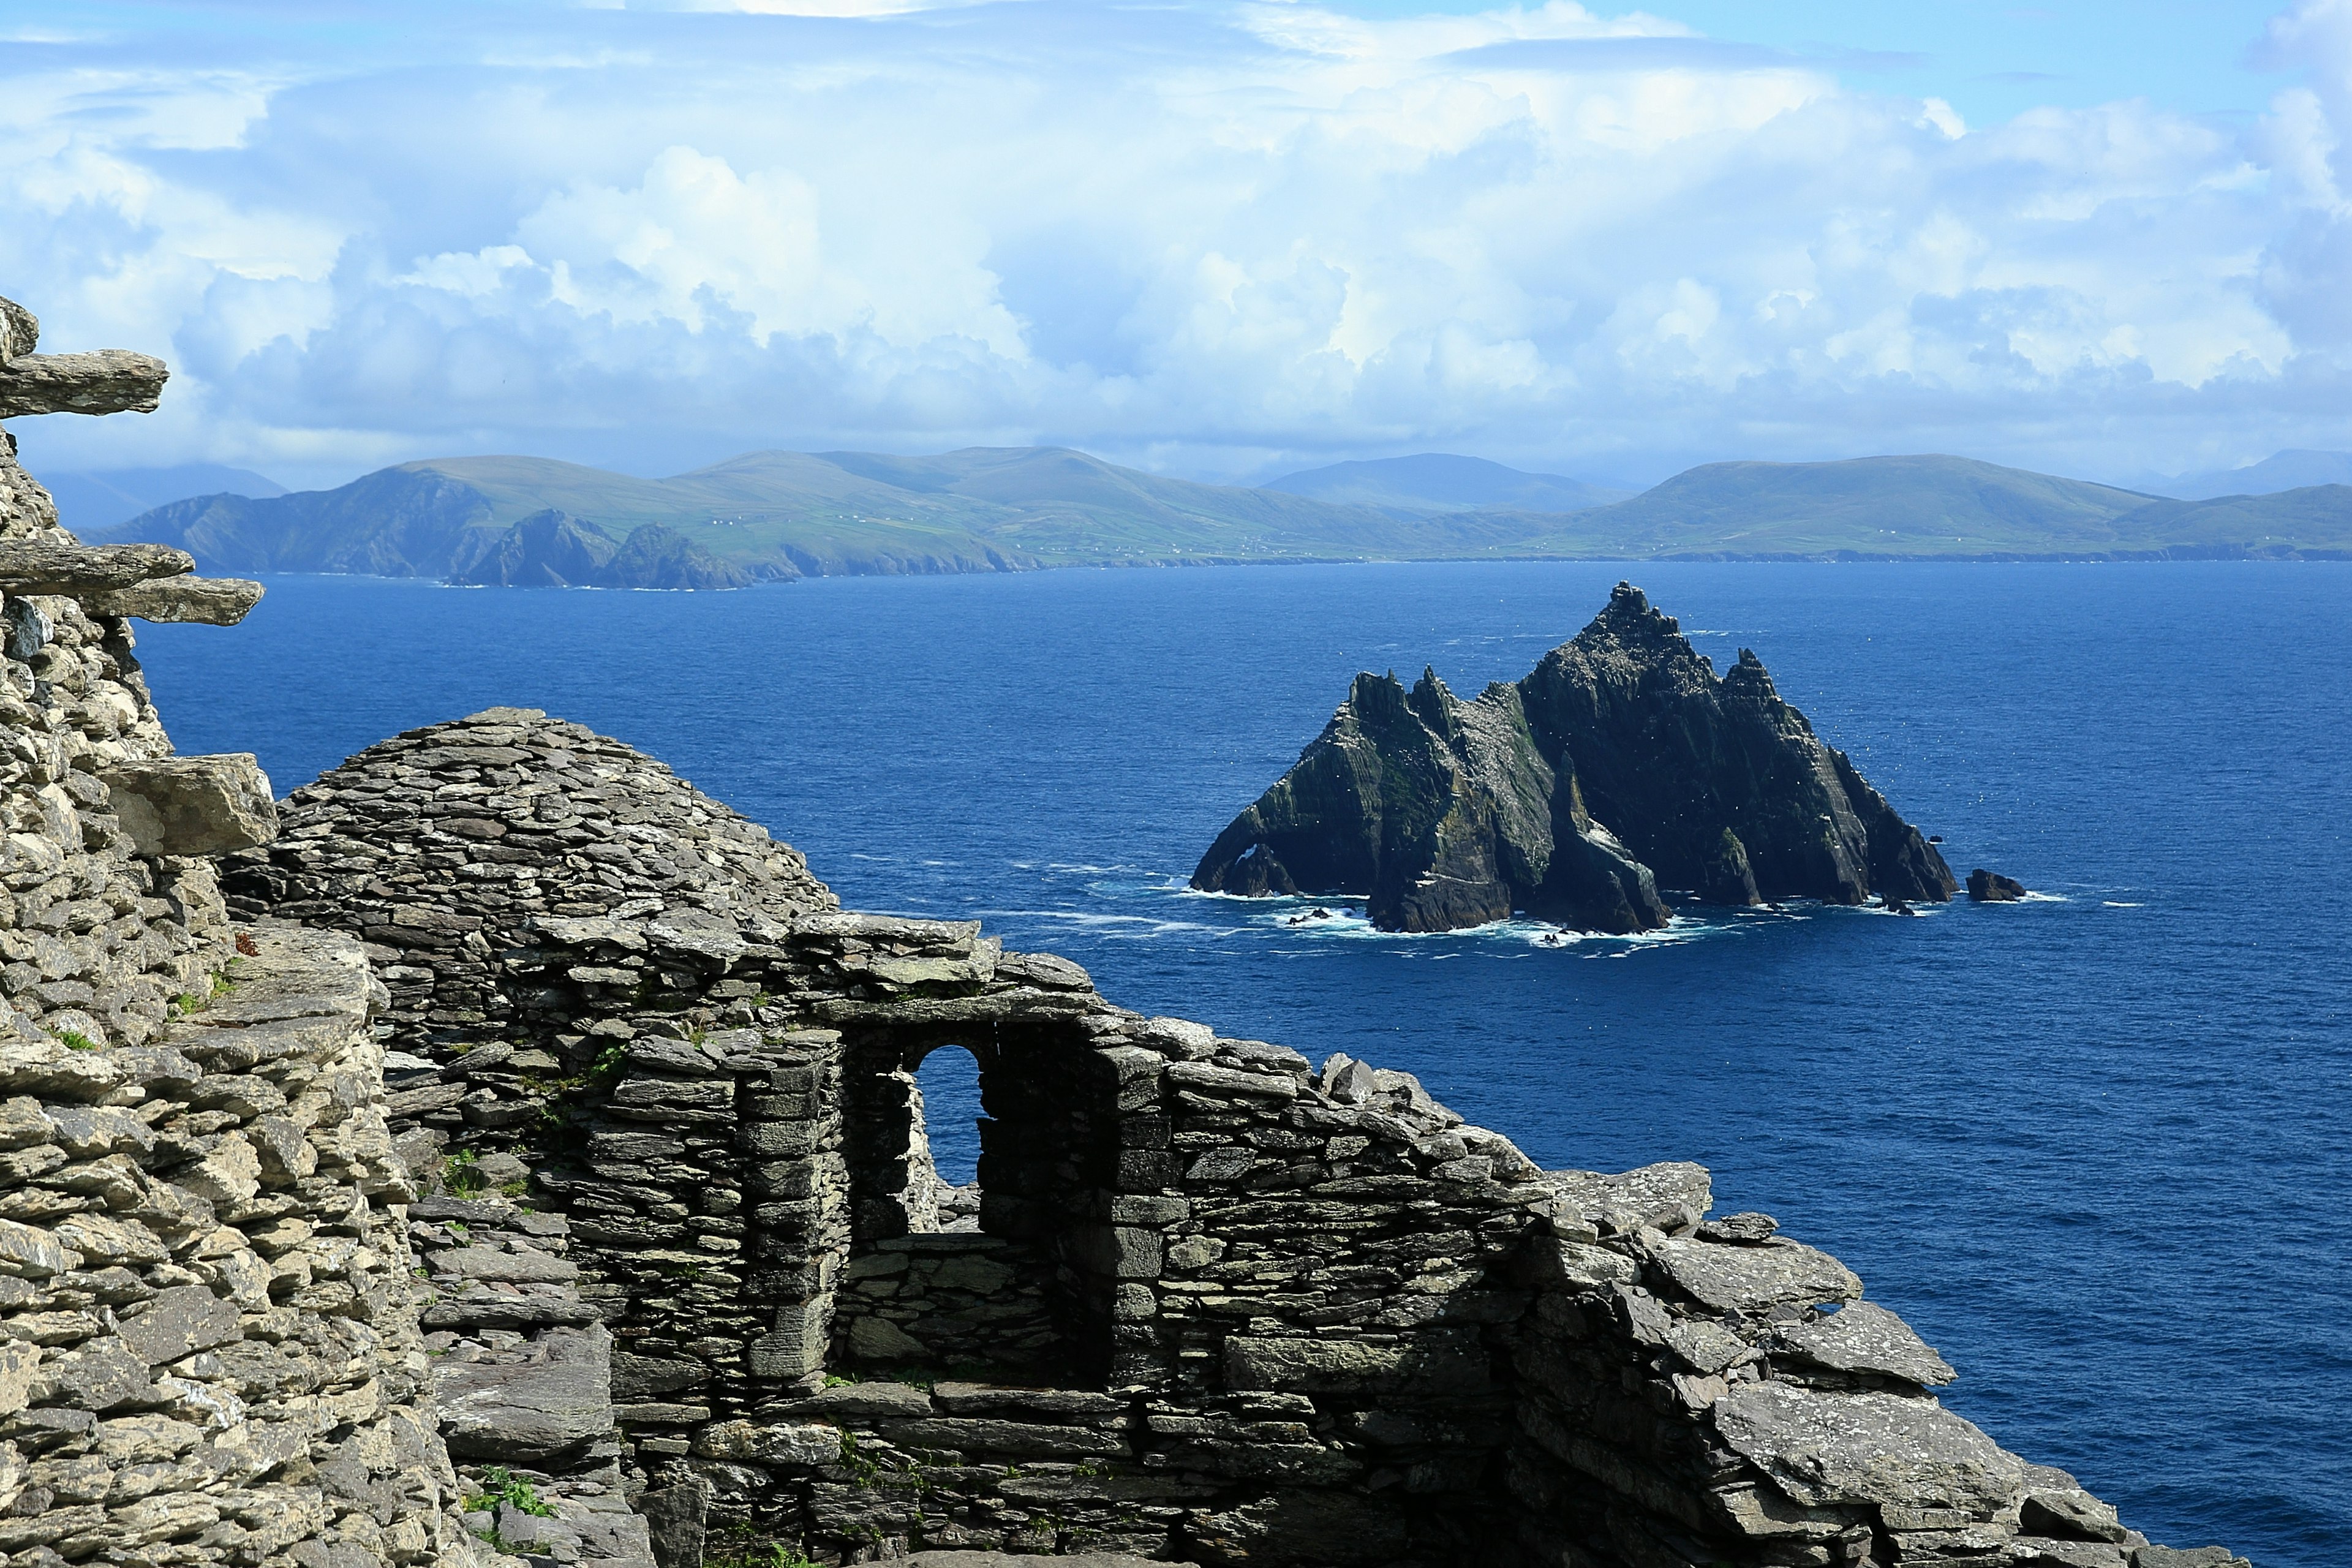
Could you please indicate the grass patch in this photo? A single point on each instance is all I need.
(75, 1040)
(740, 1547)
(460, 1178)
(502, 1486)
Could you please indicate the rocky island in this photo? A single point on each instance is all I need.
(501, 1154)
(1622, 766)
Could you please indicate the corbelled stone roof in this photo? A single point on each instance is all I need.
(442, 844)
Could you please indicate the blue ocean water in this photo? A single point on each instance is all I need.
(2093, 1146)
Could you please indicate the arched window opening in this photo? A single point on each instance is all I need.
(939, 1277)
(946, 1113)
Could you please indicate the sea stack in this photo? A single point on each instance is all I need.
(1622, 764)
(1992, 887)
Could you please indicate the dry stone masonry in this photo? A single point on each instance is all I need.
(1222, 1305)
(533, 1173)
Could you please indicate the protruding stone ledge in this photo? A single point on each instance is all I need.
(111, 381)
(33, 567)
(194, 805)
(20, 331)
(207, 601)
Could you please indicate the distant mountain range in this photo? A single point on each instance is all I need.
(93, 501)
(2289, 470)
(766, 515)
(1440, 481)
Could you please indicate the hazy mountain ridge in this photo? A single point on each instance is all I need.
(784, 514)
(2293, 469)
(1442, 481)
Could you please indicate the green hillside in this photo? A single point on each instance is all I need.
(1909, 505)
(784, 514)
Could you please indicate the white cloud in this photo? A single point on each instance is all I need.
(1216, 238)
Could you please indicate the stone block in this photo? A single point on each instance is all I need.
(974, 1437)
(1755, 1278)
(1863, 1337)
(194, 805)
(1860, 1448)
(1310, 1367)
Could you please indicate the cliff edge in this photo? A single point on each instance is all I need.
(1621, 763)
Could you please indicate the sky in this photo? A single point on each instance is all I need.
(1220, 240)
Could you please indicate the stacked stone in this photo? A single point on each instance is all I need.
(522, 1378)
(108, 911)
(209, 1350)
(441, 846)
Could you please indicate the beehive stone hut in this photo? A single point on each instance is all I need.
(501, 1154)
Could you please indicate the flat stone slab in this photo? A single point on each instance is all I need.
(1666, 1197)
(528, 1410)
(489, 1263)
(1734, 1278)
(194, 805)
(1824, 1449)
(1864, 1337)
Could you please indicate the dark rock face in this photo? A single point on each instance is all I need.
(552, 548)
(1620, 763)
(1992, 887)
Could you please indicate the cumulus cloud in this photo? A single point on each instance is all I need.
(1215, 240)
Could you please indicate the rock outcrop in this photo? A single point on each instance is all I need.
(1620, 765)
(1992, 887)
(552, 548)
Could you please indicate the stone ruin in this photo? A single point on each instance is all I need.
(500, 1151)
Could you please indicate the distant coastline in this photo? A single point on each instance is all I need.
(527, 522)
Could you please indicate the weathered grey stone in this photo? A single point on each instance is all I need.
(1062, 1403)
(107, 380)
(1824, 1448)
(494, 1264)
(179, 1322)
(102, 1375)
(207, 601)
(29, 1252)
(675, 1524)
(1864, 1337)
(769, 1443)
(2071, 1514)
(526, 1412)
(1667, 1196)
(2188, 1557)
(1310, 1365)
(860, 1399)
(879, 1340)
(1024, 1440)
(194, 805)
(1753, 1279)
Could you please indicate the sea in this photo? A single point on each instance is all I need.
(2096, 1146)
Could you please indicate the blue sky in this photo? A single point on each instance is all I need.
(1219, 239)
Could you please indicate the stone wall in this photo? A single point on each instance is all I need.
(209, 1343)
(209, 1337)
